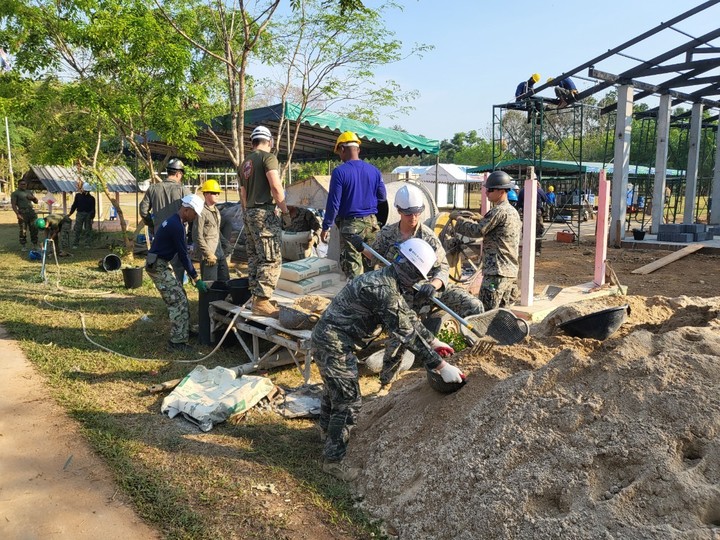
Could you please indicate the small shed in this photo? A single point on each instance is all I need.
(449, 183)
(58, 179)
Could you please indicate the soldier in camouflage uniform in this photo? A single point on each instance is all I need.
(169, 243)
(22, 200)
(500, 229)
(367, 302)
(409, 202)
(57, 228)
(356, 189)
(260, 185)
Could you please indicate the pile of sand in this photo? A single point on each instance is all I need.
(558, 437)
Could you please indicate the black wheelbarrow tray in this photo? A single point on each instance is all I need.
(599, 325)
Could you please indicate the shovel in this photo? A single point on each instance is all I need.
(483, 345)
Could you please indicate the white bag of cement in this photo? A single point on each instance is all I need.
(307, 268)
(306, 286)
(208, 396)
(296, 245)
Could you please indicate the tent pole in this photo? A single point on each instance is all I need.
(437, 186)
(11, 186)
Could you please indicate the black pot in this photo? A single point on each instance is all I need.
(638, 234)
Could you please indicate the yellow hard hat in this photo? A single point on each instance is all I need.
(551, 188)
(211, 186)
(535, 77)
(550, 79)
(345, 138)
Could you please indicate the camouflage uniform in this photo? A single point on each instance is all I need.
(352, 262)
(263, 227)
(161, 272)
(58, 228)
(19, 199)
(303, 220)
(500, 229)
(459, 300)
(366, 302)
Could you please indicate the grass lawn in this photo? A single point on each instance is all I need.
(188, 483)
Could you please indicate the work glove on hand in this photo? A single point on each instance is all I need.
(425, 292)
(451, 374)
(201, 286)
(211, 260)
(442, 348)
(356, 241)
(286, 219)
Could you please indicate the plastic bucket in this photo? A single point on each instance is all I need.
(239, 290)
(638, 234)
(217, 290)
(110, 263)
(133, 277)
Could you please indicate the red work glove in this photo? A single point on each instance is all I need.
(442, 348)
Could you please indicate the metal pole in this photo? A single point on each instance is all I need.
(11, 186)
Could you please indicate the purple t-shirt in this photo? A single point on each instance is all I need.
(356, 188)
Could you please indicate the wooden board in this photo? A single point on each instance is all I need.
(674, 256)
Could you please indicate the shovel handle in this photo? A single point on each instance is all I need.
(435, 301)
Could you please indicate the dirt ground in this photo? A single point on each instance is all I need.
(528, 455)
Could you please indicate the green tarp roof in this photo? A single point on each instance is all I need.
(316, 140)
(565, 168)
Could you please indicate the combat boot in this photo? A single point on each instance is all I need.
(263, 308)
(340, 470)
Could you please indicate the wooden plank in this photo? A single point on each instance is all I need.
(674, 256)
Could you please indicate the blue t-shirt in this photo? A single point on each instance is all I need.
(550, 197)
(170, 241)
(567, 84)
(355, 189)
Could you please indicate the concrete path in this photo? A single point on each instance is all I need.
(51, 484)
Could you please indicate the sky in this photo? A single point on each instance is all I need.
(485, 48)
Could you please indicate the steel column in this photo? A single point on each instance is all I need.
(715, 191)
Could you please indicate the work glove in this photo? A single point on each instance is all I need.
(286, 219)
(425, 292)
(201, 286)
(442, 348)
(357, 242)
(451, 374)
(211, 260)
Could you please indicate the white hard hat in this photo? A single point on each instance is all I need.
(194, 202)
(261, 132)
(86, 187)
(410, 199)
(420, 254)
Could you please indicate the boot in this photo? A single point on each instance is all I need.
(263, 308)
(340, 470)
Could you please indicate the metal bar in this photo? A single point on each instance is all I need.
(631, 42)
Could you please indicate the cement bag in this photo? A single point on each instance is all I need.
(208, 396)
(306, 286)
(296, 245)
(307, 268)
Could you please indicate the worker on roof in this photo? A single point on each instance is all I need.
(208, 241)
(565, 90)
(370, 301)
(500, 229)
(263, 200)
(356, 189)
(525, 89)
(410, 204)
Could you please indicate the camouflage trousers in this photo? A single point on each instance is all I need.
(456, 298)
(341, 401)
(83, 224)
(28, 223)
(62, 240)
(263, 230)
(352, 262)
(175, 299)
(498, 291)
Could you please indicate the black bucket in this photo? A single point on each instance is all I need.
(217, 290)
(239, 290)
(110, 263)
(638, 234)
(133, 277)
